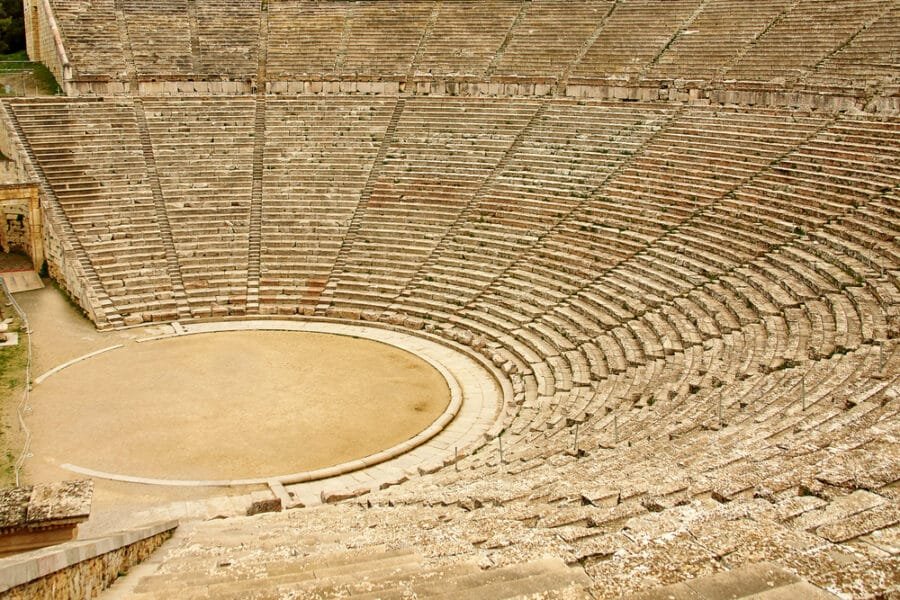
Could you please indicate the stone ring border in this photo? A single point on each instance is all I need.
(315, 326)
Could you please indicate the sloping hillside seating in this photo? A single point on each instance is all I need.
(318, 154)
(160, 40)
(696, 309)
(818, 27)
(228, 37)
(90, 154)
(93, 38)
(203, 149)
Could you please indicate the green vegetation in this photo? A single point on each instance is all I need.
(25, 77)
(12, 382)
(12, 26)
(11, 63)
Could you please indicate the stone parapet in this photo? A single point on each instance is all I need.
(79, 569)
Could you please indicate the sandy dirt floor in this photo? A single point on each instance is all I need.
(233, 405)
(211, 406)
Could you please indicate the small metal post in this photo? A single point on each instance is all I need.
(616, 428)
(576, 438)
(500, 445)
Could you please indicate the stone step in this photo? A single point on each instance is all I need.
(507, 582)
(760, 581)
(241, 578)
(387, 583)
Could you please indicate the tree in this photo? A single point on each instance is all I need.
(12, 26)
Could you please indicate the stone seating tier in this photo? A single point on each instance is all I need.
(669, 50)
(709, 296)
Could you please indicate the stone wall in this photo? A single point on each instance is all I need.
(104, 87)
(12, 170)
(44, 41)
(688, 92)
(9, 171)
(64, 267)
(21, 221)
(14, 228)
(80, 569)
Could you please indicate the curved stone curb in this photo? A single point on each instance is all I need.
(43, 377)
(332, 328)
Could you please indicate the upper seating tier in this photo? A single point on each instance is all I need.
(811, 45)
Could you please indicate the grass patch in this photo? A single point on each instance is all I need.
(12, 62)
(39, 78)
(12, 381)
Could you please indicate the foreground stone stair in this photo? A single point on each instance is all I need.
(763, 581)
(228, 561)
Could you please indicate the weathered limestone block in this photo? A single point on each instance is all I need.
(263, 502)
(42, 515)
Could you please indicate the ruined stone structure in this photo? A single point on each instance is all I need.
(22, 227)
(672, 226)
(42, 515)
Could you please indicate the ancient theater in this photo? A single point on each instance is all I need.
(458, 299)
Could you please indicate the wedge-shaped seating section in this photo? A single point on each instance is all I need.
(91, 156)
(665, 183)
(819, 27)
(718, 35)
(93, 36)
(318, 155)
(558, 164)
(305, 38)
(228, 36)
(632, 35)
(203, 149)
(382, 39)
(441, 152)
(536, 49)
(465, 37)
(159, 37)
(869, 58)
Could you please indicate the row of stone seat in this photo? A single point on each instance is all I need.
(318, 153)
(101, 184)
(867, 59)
(438, 156)
(678, 494)
(774, 54)
(718, 40)
(601, 232)
(476, 259)
(203, 152)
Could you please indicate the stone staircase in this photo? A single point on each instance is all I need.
(165, 227)
(196, 60)
(108, 316)
(761, 581)
(226, 560)
(325, 301)
(255, 238)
